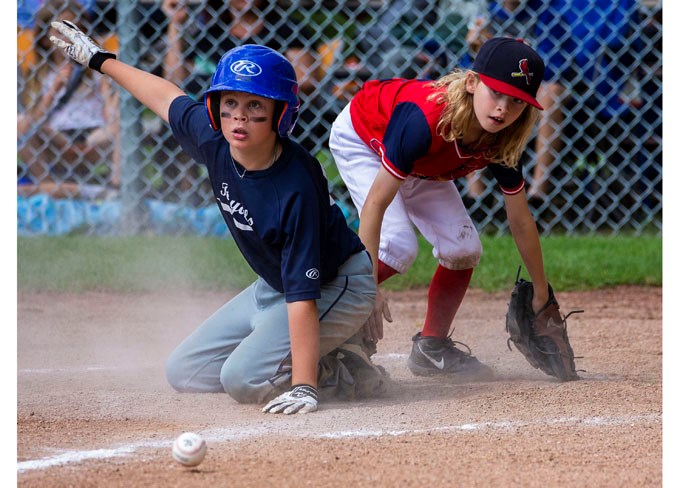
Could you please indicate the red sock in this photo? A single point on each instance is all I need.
(445, 295)
(384, 271)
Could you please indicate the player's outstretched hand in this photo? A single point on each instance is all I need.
(81, 47)
(373, 328)
(300, 399)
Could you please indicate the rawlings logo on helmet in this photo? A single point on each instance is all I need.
(246, 68)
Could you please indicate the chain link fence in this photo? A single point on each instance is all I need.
(92, 160)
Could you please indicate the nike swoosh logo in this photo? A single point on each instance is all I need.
(438, 364)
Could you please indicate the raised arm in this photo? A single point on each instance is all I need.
(152, 91)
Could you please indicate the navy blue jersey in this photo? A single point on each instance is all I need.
(282, 218)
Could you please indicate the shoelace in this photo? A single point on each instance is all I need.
(452, 343)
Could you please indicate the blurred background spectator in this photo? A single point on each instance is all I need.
(417, 38)
(602, 158)
(68, 125)
(588, 47)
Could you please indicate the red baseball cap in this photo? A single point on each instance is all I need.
(511, 67)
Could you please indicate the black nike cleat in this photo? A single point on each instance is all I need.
(432, 356)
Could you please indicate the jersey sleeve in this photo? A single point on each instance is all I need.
(510, 180)
(406, 139)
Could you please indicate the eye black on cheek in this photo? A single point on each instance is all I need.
(226, 115)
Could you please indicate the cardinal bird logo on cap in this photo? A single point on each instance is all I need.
(524, 71)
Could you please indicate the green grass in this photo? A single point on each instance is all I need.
(132, 264)
(129, 264)
(571, 263)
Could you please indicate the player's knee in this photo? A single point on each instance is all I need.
(176, 374)
(187, 377)
(239, 384)
(399, 252)
(462, 253)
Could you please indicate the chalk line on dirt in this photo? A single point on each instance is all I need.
(66, 370)
(506, 425)
(239, 433)
(386, 357)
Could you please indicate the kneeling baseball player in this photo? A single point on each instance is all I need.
(296, 329)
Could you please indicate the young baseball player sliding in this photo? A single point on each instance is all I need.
(315, 288)
(399, 144)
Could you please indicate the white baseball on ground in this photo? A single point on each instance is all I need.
(189, 449)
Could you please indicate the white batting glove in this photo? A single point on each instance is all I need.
(301, 399)
(81, 47)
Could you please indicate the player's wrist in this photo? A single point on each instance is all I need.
(97, 60)
(304, 389)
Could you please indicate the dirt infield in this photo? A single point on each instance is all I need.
(94, 408)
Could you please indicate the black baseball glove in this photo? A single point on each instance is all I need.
(542, 336)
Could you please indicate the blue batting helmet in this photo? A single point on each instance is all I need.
(261, 71)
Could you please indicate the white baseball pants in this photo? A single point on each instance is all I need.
(435, 208)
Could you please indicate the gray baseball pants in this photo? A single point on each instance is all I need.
(244, 348)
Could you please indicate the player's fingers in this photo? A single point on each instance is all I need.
(61, 44)
(308, 408)
(366, 328)
(278, 407)
(63, 28)
(292, 408)
(386, 311)
(371, 328)
(270, 406)
(378, 327)
(366, 333)
(73, 29)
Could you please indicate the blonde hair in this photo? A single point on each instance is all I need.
(504, 147)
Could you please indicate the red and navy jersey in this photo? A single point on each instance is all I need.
(396, 119)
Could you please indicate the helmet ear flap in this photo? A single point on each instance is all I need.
(213, 106)
(284, 118)
(279, 110)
